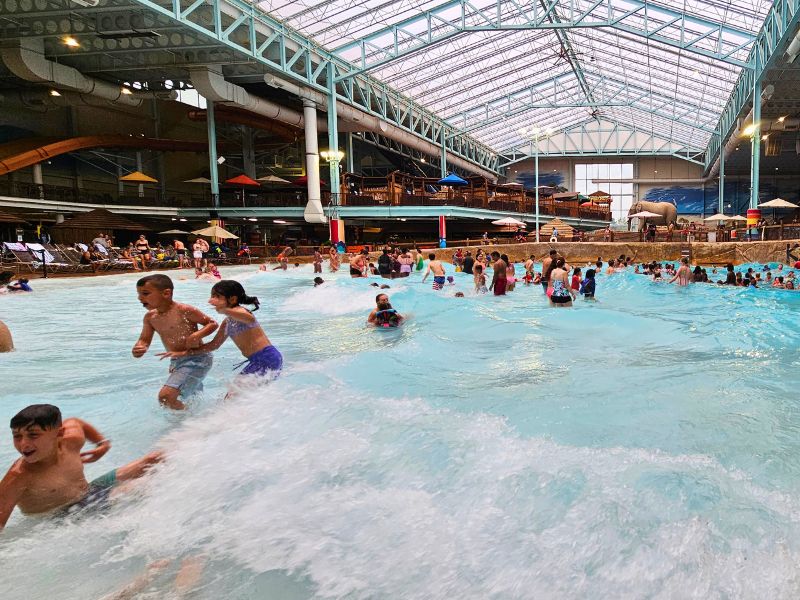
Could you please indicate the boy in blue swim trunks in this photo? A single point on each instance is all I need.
(437, 268)
(49, 477)
(181, 327)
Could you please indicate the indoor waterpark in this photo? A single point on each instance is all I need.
(400, 300)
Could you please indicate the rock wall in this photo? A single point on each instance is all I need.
(577, 252)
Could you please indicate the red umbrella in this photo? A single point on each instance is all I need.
(304, 181)
(243, 180)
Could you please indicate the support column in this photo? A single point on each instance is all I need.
(721, 207)
(442, 232)
(120, 183)
(38, 180)
(160, 170)
(336, 227)
(536, 169)
(753, 213)
(140, 187)
(348, 154)
(211, 127)
(248, 152)
(313, 212)
(443, 161)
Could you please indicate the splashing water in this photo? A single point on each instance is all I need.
(641, 447)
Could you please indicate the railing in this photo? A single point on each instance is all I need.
(547, 207)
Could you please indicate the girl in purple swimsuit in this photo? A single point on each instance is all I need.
(241, 325)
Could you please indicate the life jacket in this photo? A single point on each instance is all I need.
(387, 318)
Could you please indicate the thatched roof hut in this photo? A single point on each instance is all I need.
(565, 231)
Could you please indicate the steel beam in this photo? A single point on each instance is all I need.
(641, 18)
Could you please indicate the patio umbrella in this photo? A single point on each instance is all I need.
(452, 180)
(509, 222)
(197, 180)
(217, 232)
(273, 179)
(737, 218)
(244, 181)
(777, 203)
(645, 214)
(303, 180)
(138, 177)
(717, 217)
(174, 232)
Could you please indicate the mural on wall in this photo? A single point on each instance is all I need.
(550, 179)
(698, 201)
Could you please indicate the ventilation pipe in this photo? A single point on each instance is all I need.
(27, 61)
(368, 122)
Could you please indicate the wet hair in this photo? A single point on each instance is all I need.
(227, 288)
(45, 416)
(158, 281)
(459, 294)
(560, 263)
(495, 255)
(318, 281)
(478, 268)
(431, 256)
(553, 252)
(505, 259)
(379, 295)
(22, 280)
(589, 273)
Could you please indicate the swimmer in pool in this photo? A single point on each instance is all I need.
(228, 298)
(49, 476)
(383, 315)
(181, 327)
(684, 274)
(437, 268)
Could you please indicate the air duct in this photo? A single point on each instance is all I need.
(27, 61)
(372, 123)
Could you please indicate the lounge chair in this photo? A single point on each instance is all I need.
(30, 257)
(72, 256)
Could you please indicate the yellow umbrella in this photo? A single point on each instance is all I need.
(138, 177)
(217, 232)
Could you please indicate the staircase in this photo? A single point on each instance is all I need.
(686, 251)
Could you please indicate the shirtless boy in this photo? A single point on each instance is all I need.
(437, 268)
(181, 327)
(49, 476)
(499, 279)
(358, 265)
(283, 258)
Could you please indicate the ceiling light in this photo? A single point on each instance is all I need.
(781, 119)
(422, 160)
(182, 220)
(174, 219)
(749, 130)
(765, 137)
(252, 219)
(126, 91)
(220, 160)
(71, 42)
(55, 93)
(279, 221)
(402, 219)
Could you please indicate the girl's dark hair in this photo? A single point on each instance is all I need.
(590, 274)
(228, 288)
(576, 271)
(560, 263)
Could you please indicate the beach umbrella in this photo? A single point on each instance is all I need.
(303, 181)
(777, 203)
(174, 232)
(273, 179)
(242, 180)
(737, 218)
(452, 180)
(217, 232)
(138, 177)
(645, 214)
(717, 217)
(197, 180)
(509, 222)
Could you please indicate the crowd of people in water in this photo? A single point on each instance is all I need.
(49, 477)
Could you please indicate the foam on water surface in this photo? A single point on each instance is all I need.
(645, 446)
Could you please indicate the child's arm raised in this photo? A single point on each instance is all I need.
(207, 326)
(78, 432)
(145, 338)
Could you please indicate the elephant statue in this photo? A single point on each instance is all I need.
(667, 210)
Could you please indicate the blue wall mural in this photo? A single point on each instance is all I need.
(699, 201)
(550, 179)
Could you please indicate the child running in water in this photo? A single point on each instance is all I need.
(49, 476)
(181, 327)
(241, 325)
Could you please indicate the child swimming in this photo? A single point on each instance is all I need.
(588, 285)
(49, 477)
(228, 298)
(383, 315)
(480, 279)
(181, 327)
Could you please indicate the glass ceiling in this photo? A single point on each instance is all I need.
(665, 67)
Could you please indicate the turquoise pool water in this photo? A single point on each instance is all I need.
(645, 446)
